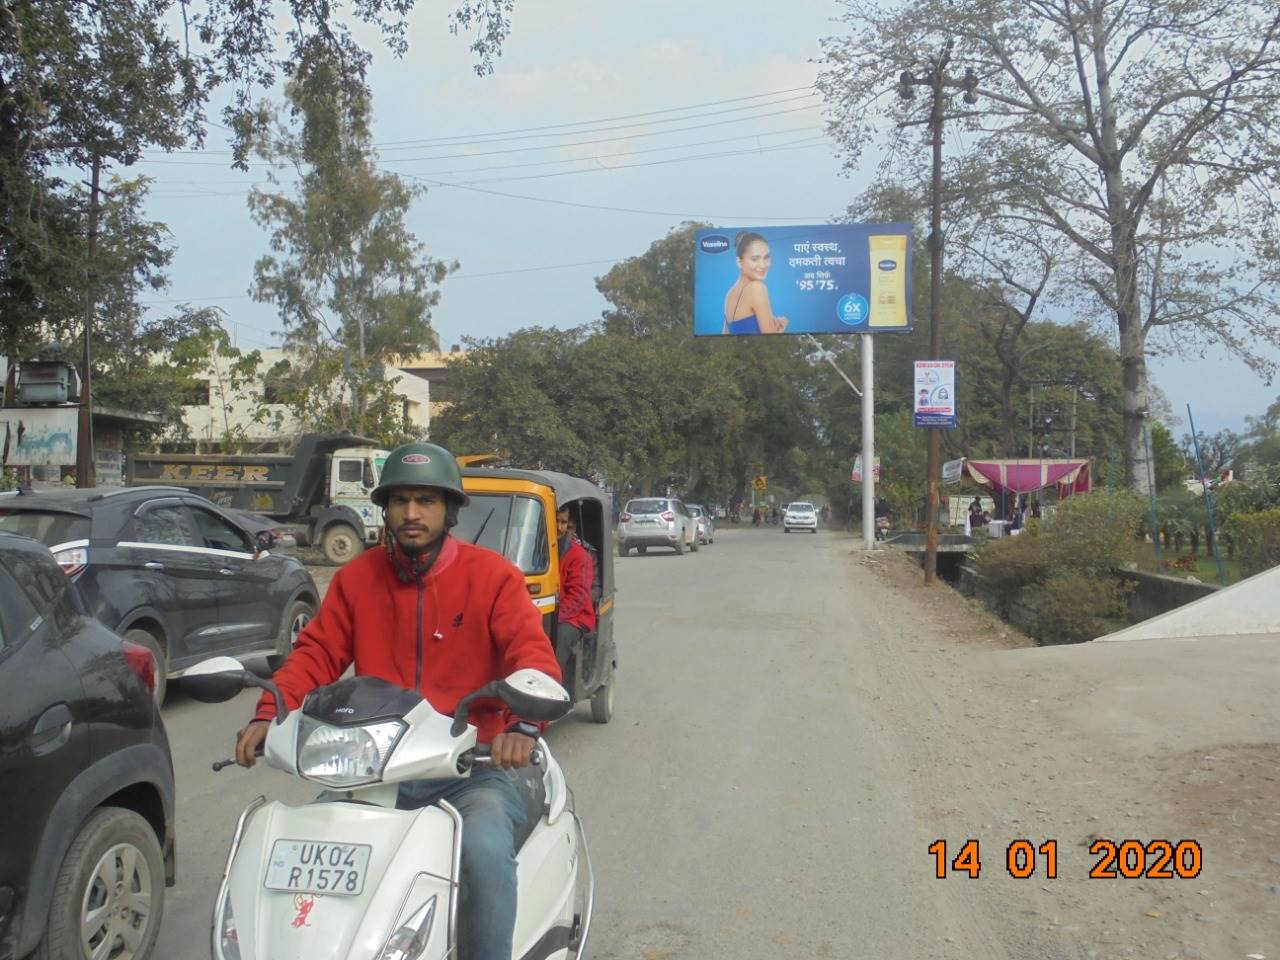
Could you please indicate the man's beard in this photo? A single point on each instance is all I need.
(416, 549)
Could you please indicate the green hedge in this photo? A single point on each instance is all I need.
(1062, 568)
(1257, 539)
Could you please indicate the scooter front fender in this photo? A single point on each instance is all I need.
(413, 858)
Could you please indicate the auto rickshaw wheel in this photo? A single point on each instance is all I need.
(602, 701)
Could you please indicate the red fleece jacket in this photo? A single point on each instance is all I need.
(477, 624)
(576, 577)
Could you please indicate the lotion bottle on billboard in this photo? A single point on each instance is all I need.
(888, 280)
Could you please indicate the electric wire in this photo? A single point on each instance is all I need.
(592, 125)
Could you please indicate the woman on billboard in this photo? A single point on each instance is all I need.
(746, 305)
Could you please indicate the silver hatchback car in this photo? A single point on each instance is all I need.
(656, 522)
(706, 525)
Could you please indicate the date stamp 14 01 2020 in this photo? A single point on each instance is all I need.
(1125, 859)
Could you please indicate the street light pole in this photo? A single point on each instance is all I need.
(84, 440)
(936, 80)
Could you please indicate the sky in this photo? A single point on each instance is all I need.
(542, 175)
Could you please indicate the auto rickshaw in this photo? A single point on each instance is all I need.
(513, 512)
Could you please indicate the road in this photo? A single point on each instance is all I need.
(795, 725)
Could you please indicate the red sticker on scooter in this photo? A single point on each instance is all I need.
(304, 905)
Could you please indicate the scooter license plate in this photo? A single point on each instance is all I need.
(308, 866)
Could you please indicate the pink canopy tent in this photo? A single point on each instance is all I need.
(1027, 476)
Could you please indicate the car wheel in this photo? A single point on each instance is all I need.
(622, 549)
(108, 897)
(602, 701)
(143, 638)
(296, 617)
(341, 543)
(642, 550)
(680, 545)
(694, 545)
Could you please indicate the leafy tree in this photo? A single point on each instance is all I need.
(353, 285)
(80, 81)
(1170, 460)
(1142, 134)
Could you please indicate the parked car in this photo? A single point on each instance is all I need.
(706, 525)
(800, 516)
(86, 777)
(169, 570)
(656, 522)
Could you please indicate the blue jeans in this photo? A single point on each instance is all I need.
(492, 811)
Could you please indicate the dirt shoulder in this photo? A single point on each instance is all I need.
(1145, 741)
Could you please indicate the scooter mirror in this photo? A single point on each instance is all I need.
(214, 680)
(532, 695)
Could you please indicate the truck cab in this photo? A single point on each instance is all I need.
(353, 473)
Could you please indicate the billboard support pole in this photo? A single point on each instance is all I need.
(868, 444)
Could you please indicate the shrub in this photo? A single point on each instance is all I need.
(1064, 566)
(1073, 607)
(1092, 534)
(1257, 539)
(1011, 563)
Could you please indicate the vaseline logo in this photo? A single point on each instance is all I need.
(888, 264)
(714, 244)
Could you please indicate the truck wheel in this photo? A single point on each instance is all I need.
(341, 544)
(108, 897)
(144, 639)
(296, 617)
(602, 701)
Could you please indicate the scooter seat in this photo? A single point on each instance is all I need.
(533, 796)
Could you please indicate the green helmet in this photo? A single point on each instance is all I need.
(420, 465)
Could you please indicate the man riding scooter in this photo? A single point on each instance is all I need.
(441, 617)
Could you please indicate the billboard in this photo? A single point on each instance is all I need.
(829, 278)
(935, 393)
(39, 436)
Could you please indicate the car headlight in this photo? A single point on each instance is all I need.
(345, 756)
(228, 937)
(410, 939)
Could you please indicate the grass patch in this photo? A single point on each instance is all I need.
(1202, 566)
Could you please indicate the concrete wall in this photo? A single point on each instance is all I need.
(1154, 595)
(1157, 593)
(1247, 608)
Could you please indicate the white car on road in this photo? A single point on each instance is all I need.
(800, 516)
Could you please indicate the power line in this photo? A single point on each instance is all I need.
(452, 276)
(526, 149)
(463, 139)
(195, 184)
(802, 144)
(683, 215)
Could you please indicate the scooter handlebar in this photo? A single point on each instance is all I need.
(482, 756)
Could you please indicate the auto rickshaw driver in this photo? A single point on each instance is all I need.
(576, 620)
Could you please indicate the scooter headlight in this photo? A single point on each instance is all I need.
(228, 938)
(410, 939)
(345, 756)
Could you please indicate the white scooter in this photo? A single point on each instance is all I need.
(348, 876)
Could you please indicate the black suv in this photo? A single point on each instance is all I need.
(169, 570)
(86, 779)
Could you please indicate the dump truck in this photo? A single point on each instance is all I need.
(320, 493)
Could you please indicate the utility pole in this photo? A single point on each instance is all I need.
(85, 476)
(936, 80)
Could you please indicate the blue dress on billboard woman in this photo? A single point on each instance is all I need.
(747, 325)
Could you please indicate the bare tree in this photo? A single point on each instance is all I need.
(1143, 132)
